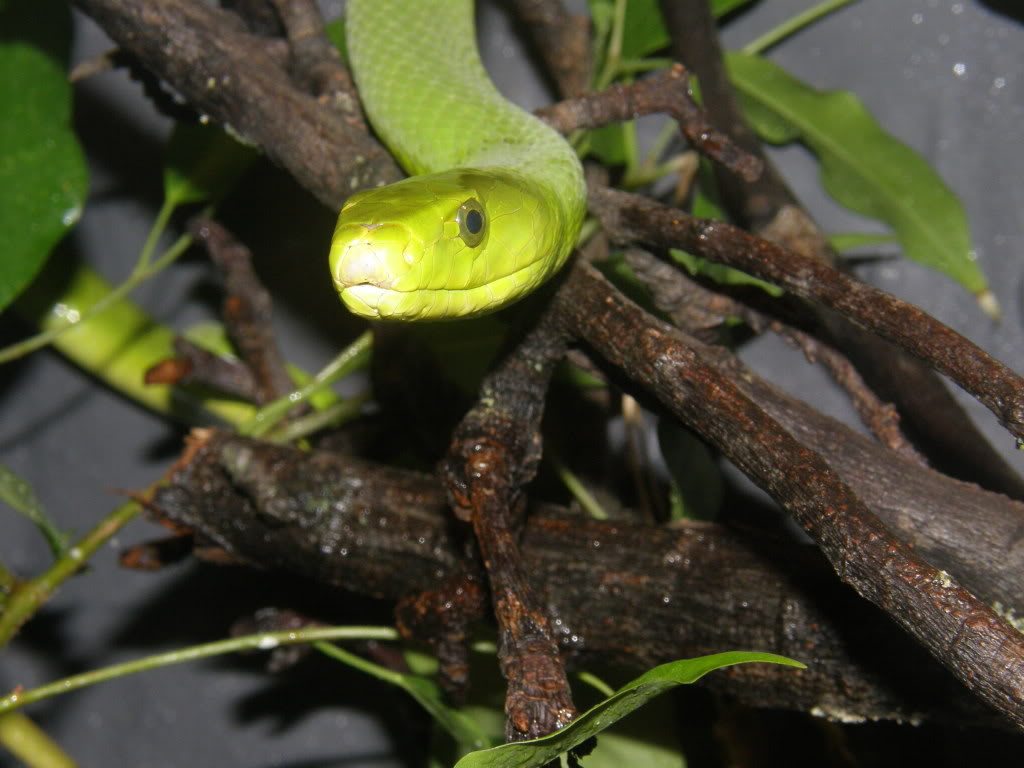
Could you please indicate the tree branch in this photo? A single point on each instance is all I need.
(494, 453)
(225, 72)
(627, 594)
(631, 218)
(964, 634)
(933, 417)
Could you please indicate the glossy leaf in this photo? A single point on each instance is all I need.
(43, 177)
(203, 162)
(18, 494)
(862, 167)
(538, 752)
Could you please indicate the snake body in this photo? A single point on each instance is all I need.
(495, 197)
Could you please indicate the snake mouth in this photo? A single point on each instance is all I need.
(369, 300)
(368, 263)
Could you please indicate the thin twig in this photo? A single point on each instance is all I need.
(666, 92)
(246, 310)
(935, 420)
(194, 365)
(629, 218)
(494, 453)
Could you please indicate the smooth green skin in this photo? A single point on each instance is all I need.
(397, 252)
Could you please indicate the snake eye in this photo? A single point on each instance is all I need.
(472, 223)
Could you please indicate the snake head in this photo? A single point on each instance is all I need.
(441, 246)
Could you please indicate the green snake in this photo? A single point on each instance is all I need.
(495, 197)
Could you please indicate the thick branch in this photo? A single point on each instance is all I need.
(225, 73)
(973, 533)
(964, 634)
(562, 40)
(635, 595)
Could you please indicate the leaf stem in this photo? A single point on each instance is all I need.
(596, 682)
(334, 415)
(793, 25)
(163, 218)
(28, 596)
(614, 55)
(355, 356)
(73, 318)
(260, 641)
(463, 729)
(579, 491)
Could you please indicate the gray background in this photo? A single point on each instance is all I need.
(75, 442)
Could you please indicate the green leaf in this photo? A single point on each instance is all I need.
(643, 29)
(202, 163)
(608, 144)
(847, 241)
(17, 493)
(538, 752)
(335, 31)
(862, 167)
(720, 273)
(43, 178)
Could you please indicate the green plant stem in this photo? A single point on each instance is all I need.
(261, 641)
(28, 742)
(462, 728)
(163, 218)
(118, 345)
(597, 683)
(650, 169)
(355, 356)
(334, 415)
(68, 316)
(579, 491)
(793, 25)
(7, 584)
(28, 596)
(611, 62)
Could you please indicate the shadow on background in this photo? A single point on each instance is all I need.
(1013, 9)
